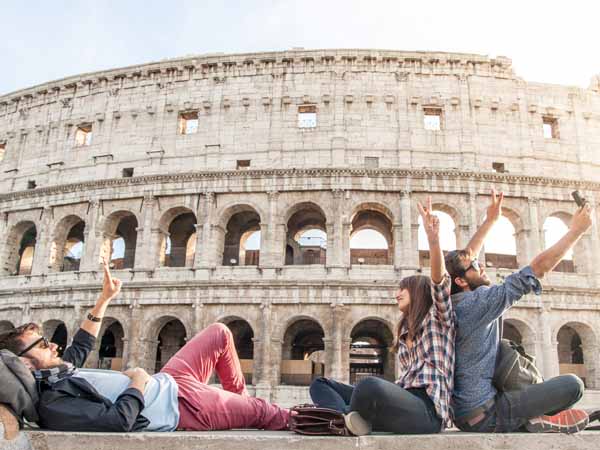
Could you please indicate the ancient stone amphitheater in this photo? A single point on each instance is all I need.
(236, 188)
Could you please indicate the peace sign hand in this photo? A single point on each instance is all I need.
(431, 222)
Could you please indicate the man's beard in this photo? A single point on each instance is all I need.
(478, 283)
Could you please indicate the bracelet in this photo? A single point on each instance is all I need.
(93, 318)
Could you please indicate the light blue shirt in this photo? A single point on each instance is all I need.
(478, 336)
(160, 396)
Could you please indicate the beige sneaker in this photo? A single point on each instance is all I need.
(356, 424)
(11, 426)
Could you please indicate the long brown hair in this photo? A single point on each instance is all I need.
(419, 289)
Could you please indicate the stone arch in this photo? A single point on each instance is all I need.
(227, 211)
(243, 337)
(112, 342)
(20, 248)
(66, 248)
(302, 354)
(371, 352)
(301, 218)
(448, 233)
(56, 331)
(376, 217)
(458, 217)
(171, 336)
(120, 235)
(521, 332)
(6, 325)
(501, 249)
(178, 237)
(577, 348)
(574, 260)
(241, 220)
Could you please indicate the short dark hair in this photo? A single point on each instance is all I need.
(11, 339)
(455, 266)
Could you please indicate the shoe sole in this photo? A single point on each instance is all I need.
(356, 424)
(543, 425)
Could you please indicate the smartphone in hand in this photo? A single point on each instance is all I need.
(578, 198)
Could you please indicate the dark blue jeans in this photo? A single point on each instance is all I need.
(387, 406)
(513, 409)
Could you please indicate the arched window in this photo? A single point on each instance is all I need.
(447, 237)
(371, 238)
(500, 245)
(306, 236)
(554, 229)
(171, 337)
(241, 245)
(302, 353)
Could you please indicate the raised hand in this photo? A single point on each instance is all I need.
(111, 286)
(431, 222)
(494, 211)
(582, 219)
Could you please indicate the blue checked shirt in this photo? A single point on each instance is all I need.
(429, 363)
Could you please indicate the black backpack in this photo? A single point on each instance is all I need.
(515, 368)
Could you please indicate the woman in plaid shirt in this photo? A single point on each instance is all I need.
(418, 402)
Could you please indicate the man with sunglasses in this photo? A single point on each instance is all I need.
(75, 399)
(479, 306)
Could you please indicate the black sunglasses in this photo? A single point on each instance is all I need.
(474, 265)
(43, 339)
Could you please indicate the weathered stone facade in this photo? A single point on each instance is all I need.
(102, 156)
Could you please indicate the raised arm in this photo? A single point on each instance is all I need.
(494, 211)
(549, 258)
(110, 289)
(431, 224)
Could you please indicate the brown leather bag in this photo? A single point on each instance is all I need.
(315, 421)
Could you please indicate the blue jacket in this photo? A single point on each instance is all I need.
(73, 404)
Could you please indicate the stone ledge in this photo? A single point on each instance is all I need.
(273, 440)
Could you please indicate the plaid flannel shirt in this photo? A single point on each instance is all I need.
(429, 363)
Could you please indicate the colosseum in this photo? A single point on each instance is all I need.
(275, 193)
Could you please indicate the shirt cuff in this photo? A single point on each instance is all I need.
(533, 282)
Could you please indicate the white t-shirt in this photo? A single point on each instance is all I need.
(160, 396)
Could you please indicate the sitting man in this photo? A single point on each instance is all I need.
(74, 399)
(479, 306)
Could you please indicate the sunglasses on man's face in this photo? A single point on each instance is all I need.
(474, 265)
(45, 344)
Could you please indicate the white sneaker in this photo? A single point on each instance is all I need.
(356, 424)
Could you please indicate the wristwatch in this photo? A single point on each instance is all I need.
(93, 318)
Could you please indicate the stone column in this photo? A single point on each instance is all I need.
(146, 251)
(133, 343)
(93, 239)
(534, 241)
(41, 255)
(549, 346)
(595, 238)
(264, 366)
(336, 246)
(272, 248)
(472, 226)
(398, 256)
(217, 238)
(463, 235)
(591, 355)
(204, 248)
(409, 247)
(335, 350)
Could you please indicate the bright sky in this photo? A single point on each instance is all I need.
(553, 42)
